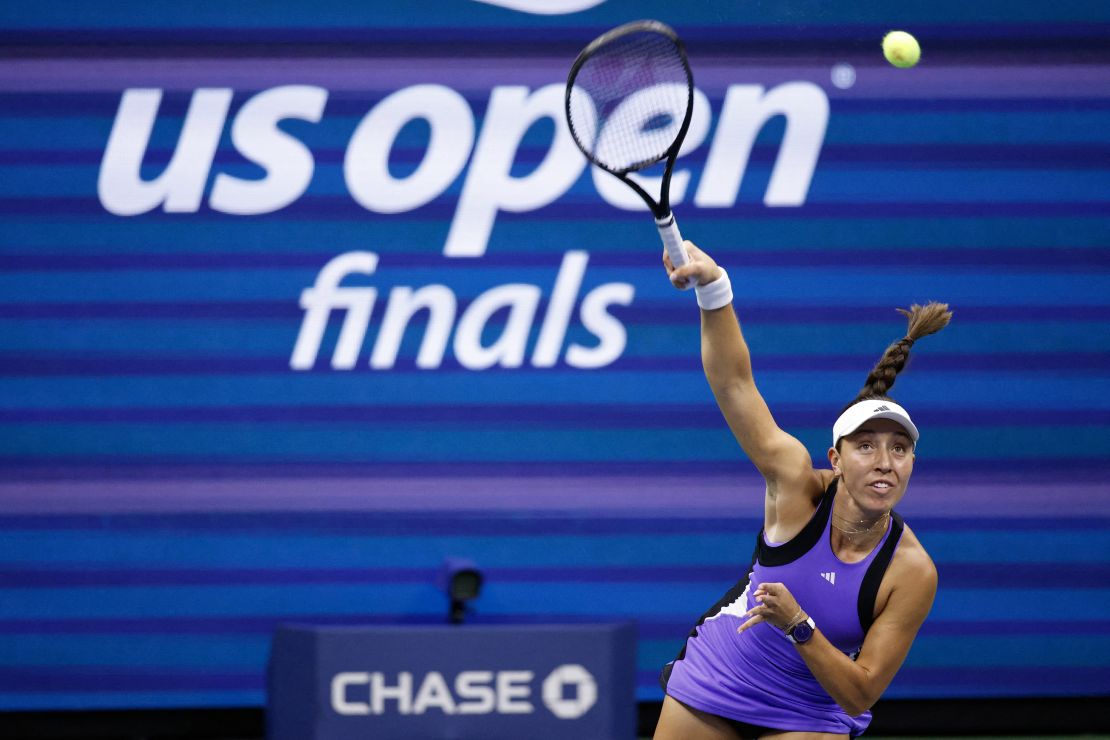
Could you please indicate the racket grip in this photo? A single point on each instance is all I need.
(672, 242)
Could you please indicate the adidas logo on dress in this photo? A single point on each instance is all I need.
(830, 577)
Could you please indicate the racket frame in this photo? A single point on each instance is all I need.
(661, 207)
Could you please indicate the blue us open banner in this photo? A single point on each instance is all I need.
(298, 300)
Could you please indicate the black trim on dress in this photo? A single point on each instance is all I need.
(869, 587)
(802, 542)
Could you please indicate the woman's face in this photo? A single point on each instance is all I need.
(874, 464)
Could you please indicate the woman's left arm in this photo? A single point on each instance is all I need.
(857, 685)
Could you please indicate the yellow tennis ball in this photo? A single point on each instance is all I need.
(901, 49)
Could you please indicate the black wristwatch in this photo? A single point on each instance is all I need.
(802, 631)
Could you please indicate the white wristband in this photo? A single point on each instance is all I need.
(716, 294)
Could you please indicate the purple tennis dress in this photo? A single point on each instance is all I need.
(758, 677)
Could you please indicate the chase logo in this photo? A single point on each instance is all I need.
(568, 692)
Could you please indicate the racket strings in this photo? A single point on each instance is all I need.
(629, 100)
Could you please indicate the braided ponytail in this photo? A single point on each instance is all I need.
(923, 321)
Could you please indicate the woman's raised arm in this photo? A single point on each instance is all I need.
(783, 461)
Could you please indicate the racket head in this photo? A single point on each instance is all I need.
(630, 97)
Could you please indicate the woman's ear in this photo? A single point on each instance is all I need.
(834, 460)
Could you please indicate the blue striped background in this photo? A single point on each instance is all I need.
(170, 490)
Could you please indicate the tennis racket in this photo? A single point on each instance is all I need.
(630, 96)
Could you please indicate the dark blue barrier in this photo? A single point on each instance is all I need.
(480, 682)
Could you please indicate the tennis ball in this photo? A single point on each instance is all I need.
(901, 49)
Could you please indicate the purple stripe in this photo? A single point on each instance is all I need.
(313, 207)
(849, 209)
(1025, 575)
(32, 365)
(386, 473)
(998, 680)
(447, 65)
(675, 629)
(648, 476)
(549, 415)
(117, 678)
(412, 500)
(426, 524)
(642, 313)
(357, 103)
(952, 575)
(998, 627)
(61, 493)
(278, 310)
(545, 415)
(656, 313)
(35, 365)
(1009, 259)
(354, 73)
(933, 156)
(261, 625)
(679, 629)
(569, 29)
(19, 577)
(478, 520)
(842, 104)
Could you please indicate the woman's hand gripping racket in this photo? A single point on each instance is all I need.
(630, 95)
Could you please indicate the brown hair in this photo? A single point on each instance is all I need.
(923, 321)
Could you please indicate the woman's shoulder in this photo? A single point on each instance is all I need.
(910, 582)
(911, 563)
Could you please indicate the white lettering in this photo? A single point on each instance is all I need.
(366, 166)
(475, 694)
(180, 187)
(489, 186)
(514, 685)
(507, 350)
(746, 109)
(433, 693)
(403, 304)
(380, 692)
(610, 332)
(519, 302)
(287, 161)
(492, 184)
(559, 309)
(325, 296)
(339, 701)
(568, 692)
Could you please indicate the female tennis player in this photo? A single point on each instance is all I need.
(809, 639)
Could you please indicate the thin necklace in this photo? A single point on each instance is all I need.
(856, 530)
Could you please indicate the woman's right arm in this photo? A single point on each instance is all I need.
(783, 461)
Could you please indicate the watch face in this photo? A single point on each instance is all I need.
(801, 632)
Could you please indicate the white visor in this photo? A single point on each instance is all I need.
(855, 416)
